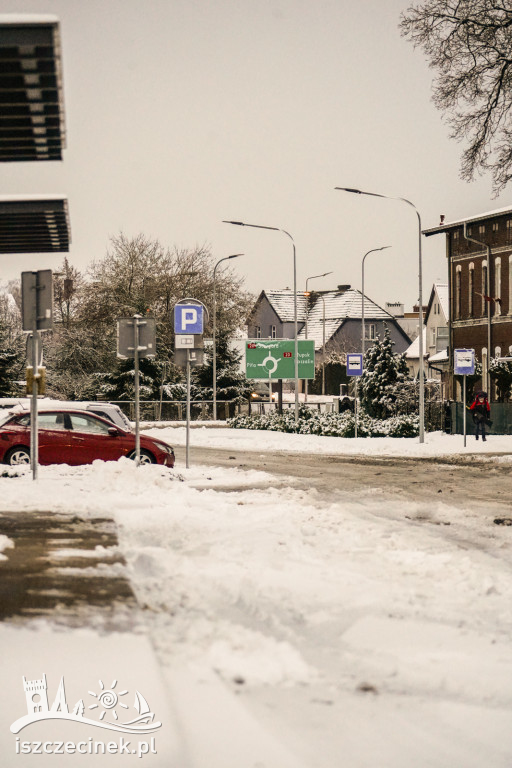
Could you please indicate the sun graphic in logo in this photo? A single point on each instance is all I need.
(108, 699)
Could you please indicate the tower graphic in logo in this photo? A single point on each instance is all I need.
(105, 704)
(36, 692)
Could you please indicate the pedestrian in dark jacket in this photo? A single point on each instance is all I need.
(481, 411)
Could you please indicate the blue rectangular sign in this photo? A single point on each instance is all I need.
(354, 364)
(188, 319)
(464, 362)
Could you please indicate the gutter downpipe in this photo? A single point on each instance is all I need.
(489, 315)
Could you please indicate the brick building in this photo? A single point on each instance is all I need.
(479, 253)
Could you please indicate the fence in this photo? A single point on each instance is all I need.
(175, 410)
(436, 416)
(501, 416)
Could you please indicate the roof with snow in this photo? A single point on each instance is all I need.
(31, 91)
(447, 226)
(35, 225)
(413, 352)
(340, 305)
(441, 290)
(439, 357)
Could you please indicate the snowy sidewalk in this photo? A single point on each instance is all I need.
(67, 612)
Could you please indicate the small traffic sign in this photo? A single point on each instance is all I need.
(188, 319)
(126, 336)
(183, 342)
(354, 364)
(464, 362)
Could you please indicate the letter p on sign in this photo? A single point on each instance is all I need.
(188, 319)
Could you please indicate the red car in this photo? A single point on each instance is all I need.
(75, 437)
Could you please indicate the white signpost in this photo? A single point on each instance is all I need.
(188, 346)
(355, 368)
(464, 365)
(136, 337)
(37, 315)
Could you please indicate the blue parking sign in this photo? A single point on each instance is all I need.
(188, 318)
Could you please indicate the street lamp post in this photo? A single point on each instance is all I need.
(233, 256)
(420, 318)
(296, 348)
(314, 277)
(362, 291)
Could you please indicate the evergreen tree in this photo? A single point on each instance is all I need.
(11, 348)
(231, 382)
(119, 384)
(385, 379)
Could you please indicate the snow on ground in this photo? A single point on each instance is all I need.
(5, 543)
(368, 631)
(436, 443)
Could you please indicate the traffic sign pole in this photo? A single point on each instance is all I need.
(464, 406)
(464, 364)
(187, 439)
(355, 368)
(136, 342)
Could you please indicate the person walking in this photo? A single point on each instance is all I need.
(481, 411)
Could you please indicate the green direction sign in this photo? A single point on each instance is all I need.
(275, 359)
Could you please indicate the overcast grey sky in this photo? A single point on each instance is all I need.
(182, 113)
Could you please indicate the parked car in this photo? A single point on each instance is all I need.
(261, 393)
(75, 437)
(107, 410)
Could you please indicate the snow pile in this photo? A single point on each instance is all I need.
(437, 444)
(5, 543)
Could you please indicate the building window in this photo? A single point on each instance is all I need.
(495, 226)
(497, 286)
(370, 331)
(457, 291)
(484, 286)
(258, 332)
(481, 229)
(432, 337)
(509, 230)
(441, 338)
(471, 289)
(273, 333)
(510, 284)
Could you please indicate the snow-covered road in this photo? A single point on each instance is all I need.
(361, 630)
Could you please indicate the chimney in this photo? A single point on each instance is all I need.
(343, 288)
(441, 222)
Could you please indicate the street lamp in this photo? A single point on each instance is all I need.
(420, 318)
(362, 291)
(233, 256)
(296, 352)
(314, 277)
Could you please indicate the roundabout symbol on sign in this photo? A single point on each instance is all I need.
(274, 361)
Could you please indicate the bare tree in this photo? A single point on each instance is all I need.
(469, 44)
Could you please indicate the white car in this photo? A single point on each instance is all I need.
(107, 411)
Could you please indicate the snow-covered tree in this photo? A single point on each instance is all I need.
(231, 382)
(12, 346)
(468, 44)
(385, 380)
(501, 373)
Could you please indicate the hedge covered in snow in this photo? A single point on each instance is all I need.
(330, 424)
